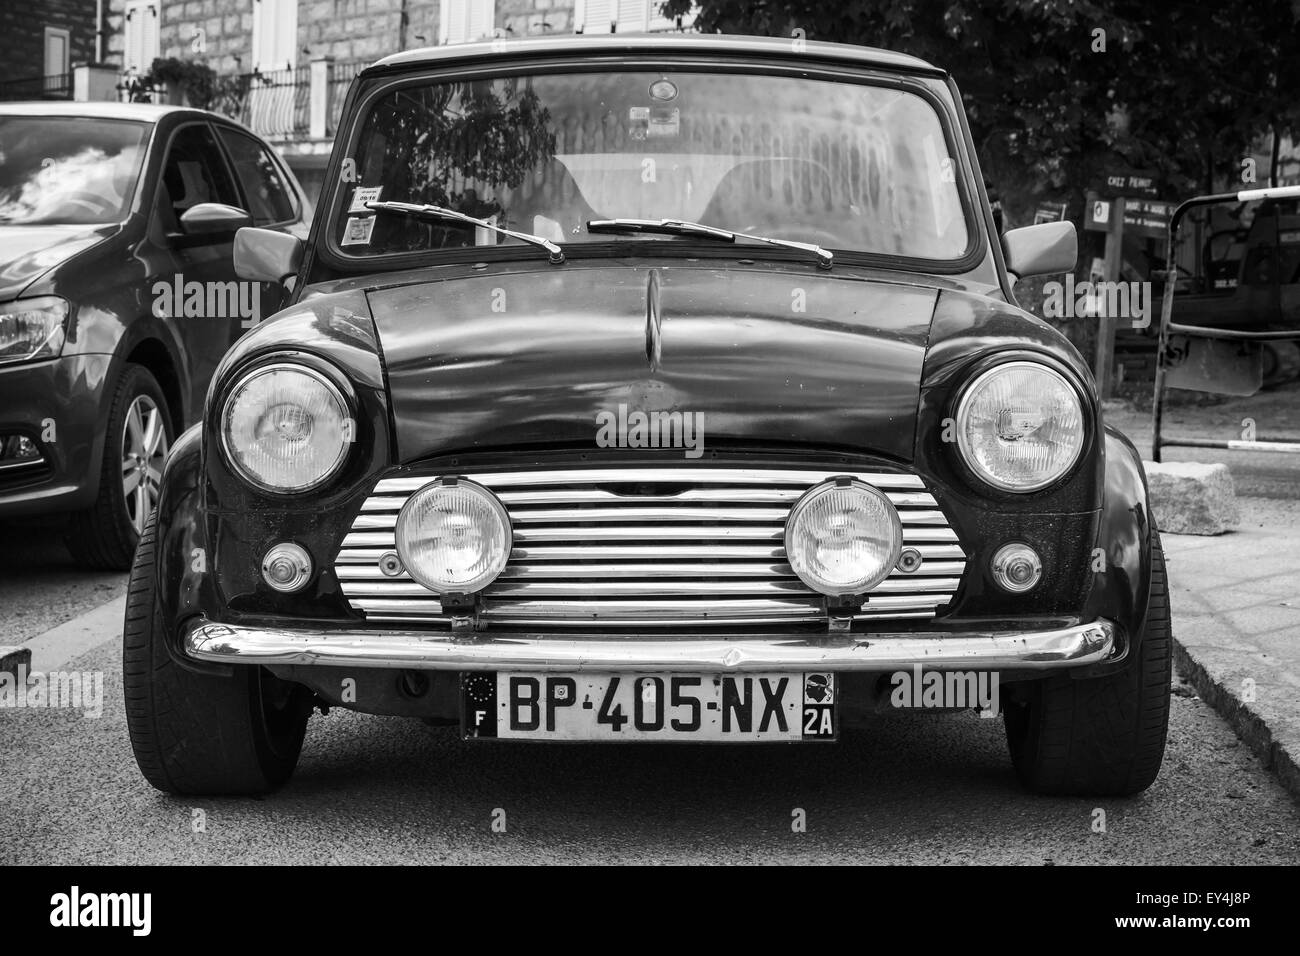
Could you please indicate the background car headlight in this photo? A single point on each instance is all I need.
(32, 329)
(286, 428)
(454, 536)
(843, 538)
(1020, 426)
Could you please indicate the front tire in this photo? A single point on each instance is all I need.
(139, 432)
(199, 734)
(1101, 736)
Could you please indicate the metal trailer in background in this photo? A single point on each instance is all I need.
(1211, 337)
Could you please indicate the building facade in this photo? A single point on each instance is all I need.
(40, 42)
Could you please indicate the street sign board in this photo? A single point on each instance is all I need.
(1147, 217)
(1096, 214)
(1129, 183)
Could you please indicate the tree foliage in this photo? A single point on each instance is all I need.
(1059, 89)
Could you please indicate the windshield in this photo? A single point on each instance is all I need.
(67, 169)
(845, 165)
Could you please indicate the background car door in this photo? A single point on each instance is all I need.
(195, 295)
(267, 195)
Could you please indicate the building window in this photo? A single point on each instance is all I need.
(625, 16)
(275, 35)
(462, 21)
(57, 65)
(140, 32)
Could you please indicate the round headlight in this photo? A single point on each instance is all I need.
(843, 537)
(1020, 426)
(286, 428)
(454, 536)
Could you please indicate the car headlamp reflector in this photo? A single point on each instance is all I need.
(286, 428)
(454, 535)
(1020, 426)
(843, 537)
(32, 329)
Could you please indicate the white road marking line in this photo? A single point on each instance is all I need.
(59, 645)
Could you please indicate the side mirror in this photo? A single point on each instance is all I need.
(265, 255)
(1045, 249)
(213, 218)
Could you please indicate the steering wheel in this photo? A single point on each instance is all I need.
(93, 202)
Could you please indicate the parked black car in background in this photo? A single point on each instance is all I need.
(117, 299)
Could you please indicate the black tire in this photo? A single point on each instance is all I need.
(1100, 736)
(1281, 363)
(104, 536)
(198, 734)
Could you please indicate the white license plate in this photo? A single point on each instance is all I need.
(657, 707)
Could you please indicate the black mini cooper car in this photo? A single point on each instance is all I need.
(651, 389)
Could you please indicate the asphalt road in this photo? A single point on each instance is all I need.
(927, 788)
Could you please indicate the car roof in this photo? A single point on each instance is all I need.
(657, 43)
(145, 112)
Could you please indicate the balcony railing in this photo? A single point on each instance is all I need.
(55, 87)
(341, 77)
(302, 102)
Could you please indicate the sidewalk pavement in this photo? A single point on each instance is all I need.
(1236, 617)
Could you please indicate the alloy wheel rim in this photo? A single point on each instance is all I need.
(144, 446)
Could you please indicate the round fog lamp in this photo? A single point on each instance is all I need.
(454, 536)
(843, 537)
(1017, 567)
(286, 567)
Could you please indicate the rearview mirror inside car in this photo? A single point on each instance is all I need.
(1044, 249)
(265, 255)
(213, 218)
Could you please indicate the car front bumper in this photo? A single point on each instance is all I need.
(1040, 650)
(57, 404)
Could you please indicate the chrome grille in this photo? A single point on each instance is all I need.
(650, 548)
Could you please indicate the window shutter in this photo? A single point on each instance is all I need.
(285, 55)
(140, 37)
(454, 19)
(275, 34)
(482, 19)
(633, 15)
(594, 16)
(150, 49)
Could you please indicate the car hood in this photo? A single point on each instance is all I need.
(28, 252)
(545, 357)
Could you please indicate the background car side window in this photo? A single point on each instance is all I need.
(269, 198)
(194, 173)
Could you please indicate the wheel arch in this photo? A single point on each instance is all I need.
(1121, 557)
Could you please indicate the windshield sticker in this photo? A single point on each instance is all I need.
(638, 121)
(357, 231)
(362, 195)
(664, 122)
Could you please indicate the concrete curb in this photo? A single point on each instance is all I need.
(1248, 724)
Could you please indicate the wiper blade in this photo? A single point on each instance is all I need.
(556, 254)
(680, 227)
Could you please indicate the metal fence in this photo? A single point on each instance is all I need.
(343, 75)
(276, 104)
(56, 87)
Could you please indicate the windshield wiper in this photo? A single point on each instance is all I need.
(441, 212)
(679, 227)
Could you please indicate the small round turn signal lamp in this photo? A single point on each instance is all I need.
(1017, 567)
(909, 559)
(286, 566)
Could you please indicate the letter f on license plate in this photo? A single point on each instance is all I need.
(658, 707)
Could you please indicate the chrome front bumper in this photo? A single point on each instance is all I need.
(991, 650)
